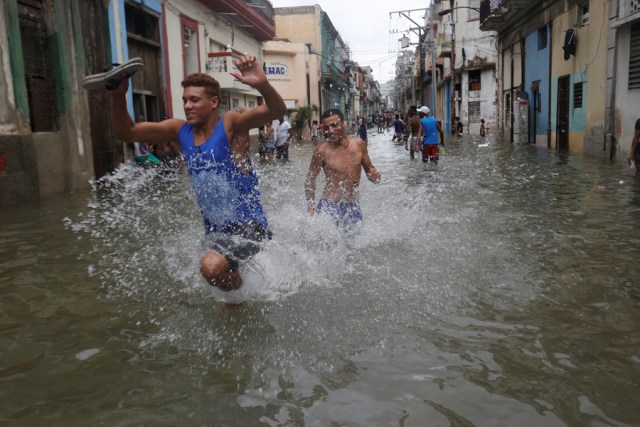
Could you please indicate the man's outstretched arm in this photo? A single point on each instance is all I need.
(128, 131)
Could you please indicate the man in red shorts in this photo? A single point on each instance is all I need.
(428, 134)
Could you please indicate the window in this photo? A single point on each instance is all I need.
(542, 38)
(142, 24)
(584, 14)
(539, 95)
(474, 12)
(634, 57)
(474, 112)
(235, 103)
(507, 107)
(577, 95)
(475, 80)
(190, 45)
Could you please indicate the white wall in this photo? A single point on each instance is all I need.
(210, 27)
(627, 100)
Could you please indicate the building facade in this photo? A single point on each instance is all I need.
(45, 116)
(205, 34)
(466, 61)
(568, 72)
(311, 26)
(56, 137)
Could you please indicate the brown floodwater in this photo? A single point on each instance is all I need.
(497, 288)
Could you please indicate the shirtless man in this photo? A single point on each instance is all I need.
(342, 159)
(216, 153)
(414, 127)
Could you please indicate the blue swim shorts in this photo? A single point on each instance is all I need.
(238, 242)
(347, 216)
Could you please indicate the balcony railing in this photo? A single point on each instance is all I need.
(331, 72)
(254, 16)
(491, 15)
(219, 65)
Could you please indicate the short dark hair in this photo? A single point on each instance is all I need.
(210, 85)
(332, 112)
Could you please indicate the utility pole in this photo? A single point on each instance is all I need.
(421, 41)
(434, 70)
(454, 99)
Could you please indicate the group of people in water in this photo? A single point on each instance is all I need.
(215, 150)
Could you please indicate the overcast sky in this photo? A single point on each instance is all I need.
(365, 26)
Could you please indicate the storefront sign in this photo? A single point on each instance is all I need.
(277, 71)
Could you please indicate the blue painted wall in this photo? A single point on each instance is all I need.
(536, 65)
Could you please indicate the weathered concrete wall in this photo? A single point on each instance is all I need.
(43, 163)
(19, 181)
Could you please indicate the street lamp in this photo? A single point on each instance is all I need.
(448, 11)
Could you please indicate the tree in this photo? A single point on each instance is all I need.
(302, 118)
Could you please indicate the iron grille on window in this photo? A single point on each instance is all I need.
(475, 80)
(634, 57)
(577, 95)
(474, 112)
(507, 106)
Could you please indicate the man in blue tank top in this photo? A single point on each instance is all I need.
(428, 134)
(216, 153)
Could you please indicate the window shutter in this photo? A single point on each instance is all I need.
(634, 57)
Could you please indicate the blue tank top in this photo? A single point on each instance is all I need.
(228, 198)
(430, 127)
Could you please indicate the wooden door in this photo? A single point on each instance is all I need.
(562, 125)
(107, 150)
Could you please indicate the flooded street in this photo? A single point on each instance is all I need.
(499, 287)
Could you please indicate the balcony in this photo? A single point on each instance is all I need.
(444, 45)
(491, 15)
(629, 12)
(253, 16)
(332, 74)
(219, 65)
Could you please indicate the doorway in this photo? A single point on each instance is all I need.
(562, 126)
(107, 151)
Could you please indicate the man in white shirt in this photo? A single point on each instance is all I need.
(283, 135)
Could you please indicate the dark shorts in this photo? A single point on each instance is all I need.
(239, 243)
(636, 156)
(269, 148)
(347, 216)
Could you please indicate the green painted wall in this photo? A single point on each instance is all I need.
(60, 57)
(15, 56)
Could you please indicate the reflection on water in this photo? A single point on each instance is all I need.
(496, 288)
